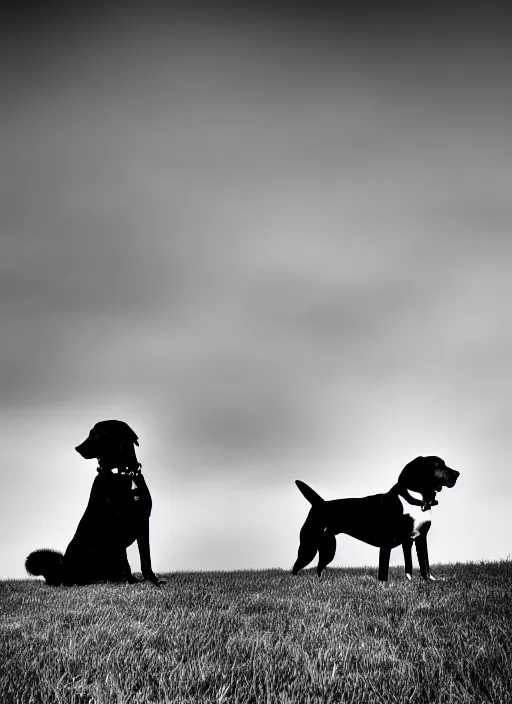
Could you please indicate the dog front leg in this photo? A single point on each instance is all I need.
(422, 553)
(145, 555)
(407, 550)
(125, 567)
(384, 556)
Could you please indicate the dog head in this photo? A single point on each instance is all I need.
(112, 443)
(427, 475)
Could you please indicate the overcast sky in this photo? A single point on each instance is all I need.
(279, 247)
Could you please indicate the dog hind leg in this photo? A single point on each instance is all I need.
(306, 554)
(326, 551)
(310, 535)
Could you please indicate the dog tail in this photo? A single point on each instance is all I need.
(308, 493)
(45, 563)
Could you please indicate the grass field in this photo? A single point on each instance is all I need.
(262, 636)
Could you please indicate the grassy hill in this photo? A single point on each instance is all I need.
(262, 637)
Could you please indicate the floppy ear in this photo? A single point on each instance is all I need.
(410, 469)
(133, 437)
(413, 464)
(127, 453)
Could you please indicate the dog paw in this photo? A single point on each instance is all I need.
(154, 579)
(408, 576)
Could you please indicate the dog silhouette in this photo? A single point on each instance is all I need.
(384, 520)
(117, 514)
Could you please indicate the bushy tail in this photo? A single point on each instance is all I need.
(308, 493)
(45, 563)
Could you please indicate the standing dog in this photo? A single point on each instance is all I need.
(117, 514)
(383, 520)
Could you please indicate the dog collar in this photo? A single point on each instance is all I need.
(131, 471)
(127, 471)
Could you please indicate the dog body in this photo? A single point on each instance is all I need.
(383, 520)
(117, 514)
(118, 510)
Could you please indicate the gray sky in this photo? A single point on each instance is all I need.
(279, 248)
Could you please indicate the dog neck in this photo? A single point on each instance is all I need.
(405, 493)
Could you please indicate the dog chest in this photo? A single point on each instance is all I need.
(415, 514)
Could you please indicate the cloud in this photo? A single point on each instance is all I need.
(277, 249)
(255, 243)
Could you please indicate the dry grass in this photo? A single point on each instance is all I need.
(262, 636)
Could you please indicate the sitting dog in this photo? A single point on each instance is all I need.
(117, 514)
(383, 520)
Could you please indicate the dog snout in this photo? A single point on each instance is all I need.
(452, 478)
(85, 450)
